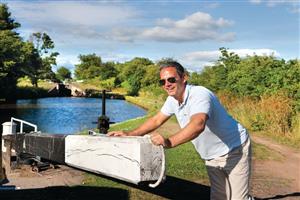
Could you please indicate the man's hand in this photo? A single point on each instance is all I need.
(158, 139)
(117, 133)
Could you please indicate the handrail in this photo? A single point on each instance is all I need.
(21, 124)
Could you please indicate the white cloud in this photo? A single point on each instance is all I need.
(73, 12)
(112, 57)
(293, 6)
(281, 2)
(73, 18)
(123, 34)
(196, 27)
(212, 5)
(294, 9)
(87, 20)
(255, 1)
(69, 59)
(208, 56)
(259, 52)
(197, 60)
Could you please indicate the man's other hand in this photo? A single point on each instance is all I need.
(117, 133)
(158, 139)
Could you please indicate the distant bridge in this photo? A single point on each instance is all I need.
(75, 90)
(61, 89)
(67, 90)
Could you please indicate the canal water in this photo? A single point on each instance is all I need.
(67, 115)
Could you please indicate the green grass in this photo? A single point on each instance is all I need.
(129, 124)
(151, 104)
(184, 162)
(262, 152)
(25, 90)
(24, 82)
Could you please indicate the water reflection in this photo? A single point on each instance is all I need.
(68, 115)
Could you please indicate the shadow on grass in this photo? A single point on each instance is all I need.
(172, 188)
(295, 194)
(176, 188)
(65, 193)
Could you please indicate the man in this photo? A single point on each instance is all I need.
(221, 141)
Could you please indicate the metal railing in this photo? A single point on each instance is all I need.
(21, 124)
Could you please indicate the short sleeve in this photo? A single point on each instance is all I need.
(200, 102)
(167, 109)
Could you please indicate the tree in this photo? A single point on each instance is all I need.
(252, 76)
(19, 58)
(133, 73)
(229, 59)
(215, 77)
(42, 68)
(11, 61)
(151, 76)
(91, 66)
(6, 22)
(11, 54)
(108, 70)
(291, 81)
(63, 73)
(131, 67)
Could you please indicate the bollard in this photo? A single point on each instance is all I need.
(7, 129)
(103, 120)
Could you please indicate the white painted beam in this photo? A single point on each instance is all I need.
(132, 159)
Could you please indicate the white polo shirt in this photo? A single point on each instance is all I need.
(221, 134)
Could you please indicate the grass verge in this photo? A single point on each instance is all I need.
(262, 152)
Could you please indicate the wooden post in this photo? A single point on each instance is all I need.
(1, 168)
(6, 157)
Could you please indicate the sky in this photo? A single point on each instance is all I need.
(190, 31)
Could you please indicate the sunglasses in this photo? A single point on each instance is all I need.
(170, 80)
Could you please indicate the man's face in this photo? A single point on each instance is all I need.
(175, 89)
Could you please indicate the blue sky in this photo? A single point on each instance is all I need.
(189, 31)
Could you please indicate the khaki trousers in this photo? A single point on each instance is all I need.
(230, 174)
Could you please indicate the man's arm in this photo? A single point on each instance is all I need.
(191, 131)
(150, 125)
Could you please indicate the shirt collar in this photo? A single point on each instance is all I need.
(186, 95)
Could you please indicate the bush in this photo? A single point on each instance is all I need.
(108, 84)
(273, 114)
